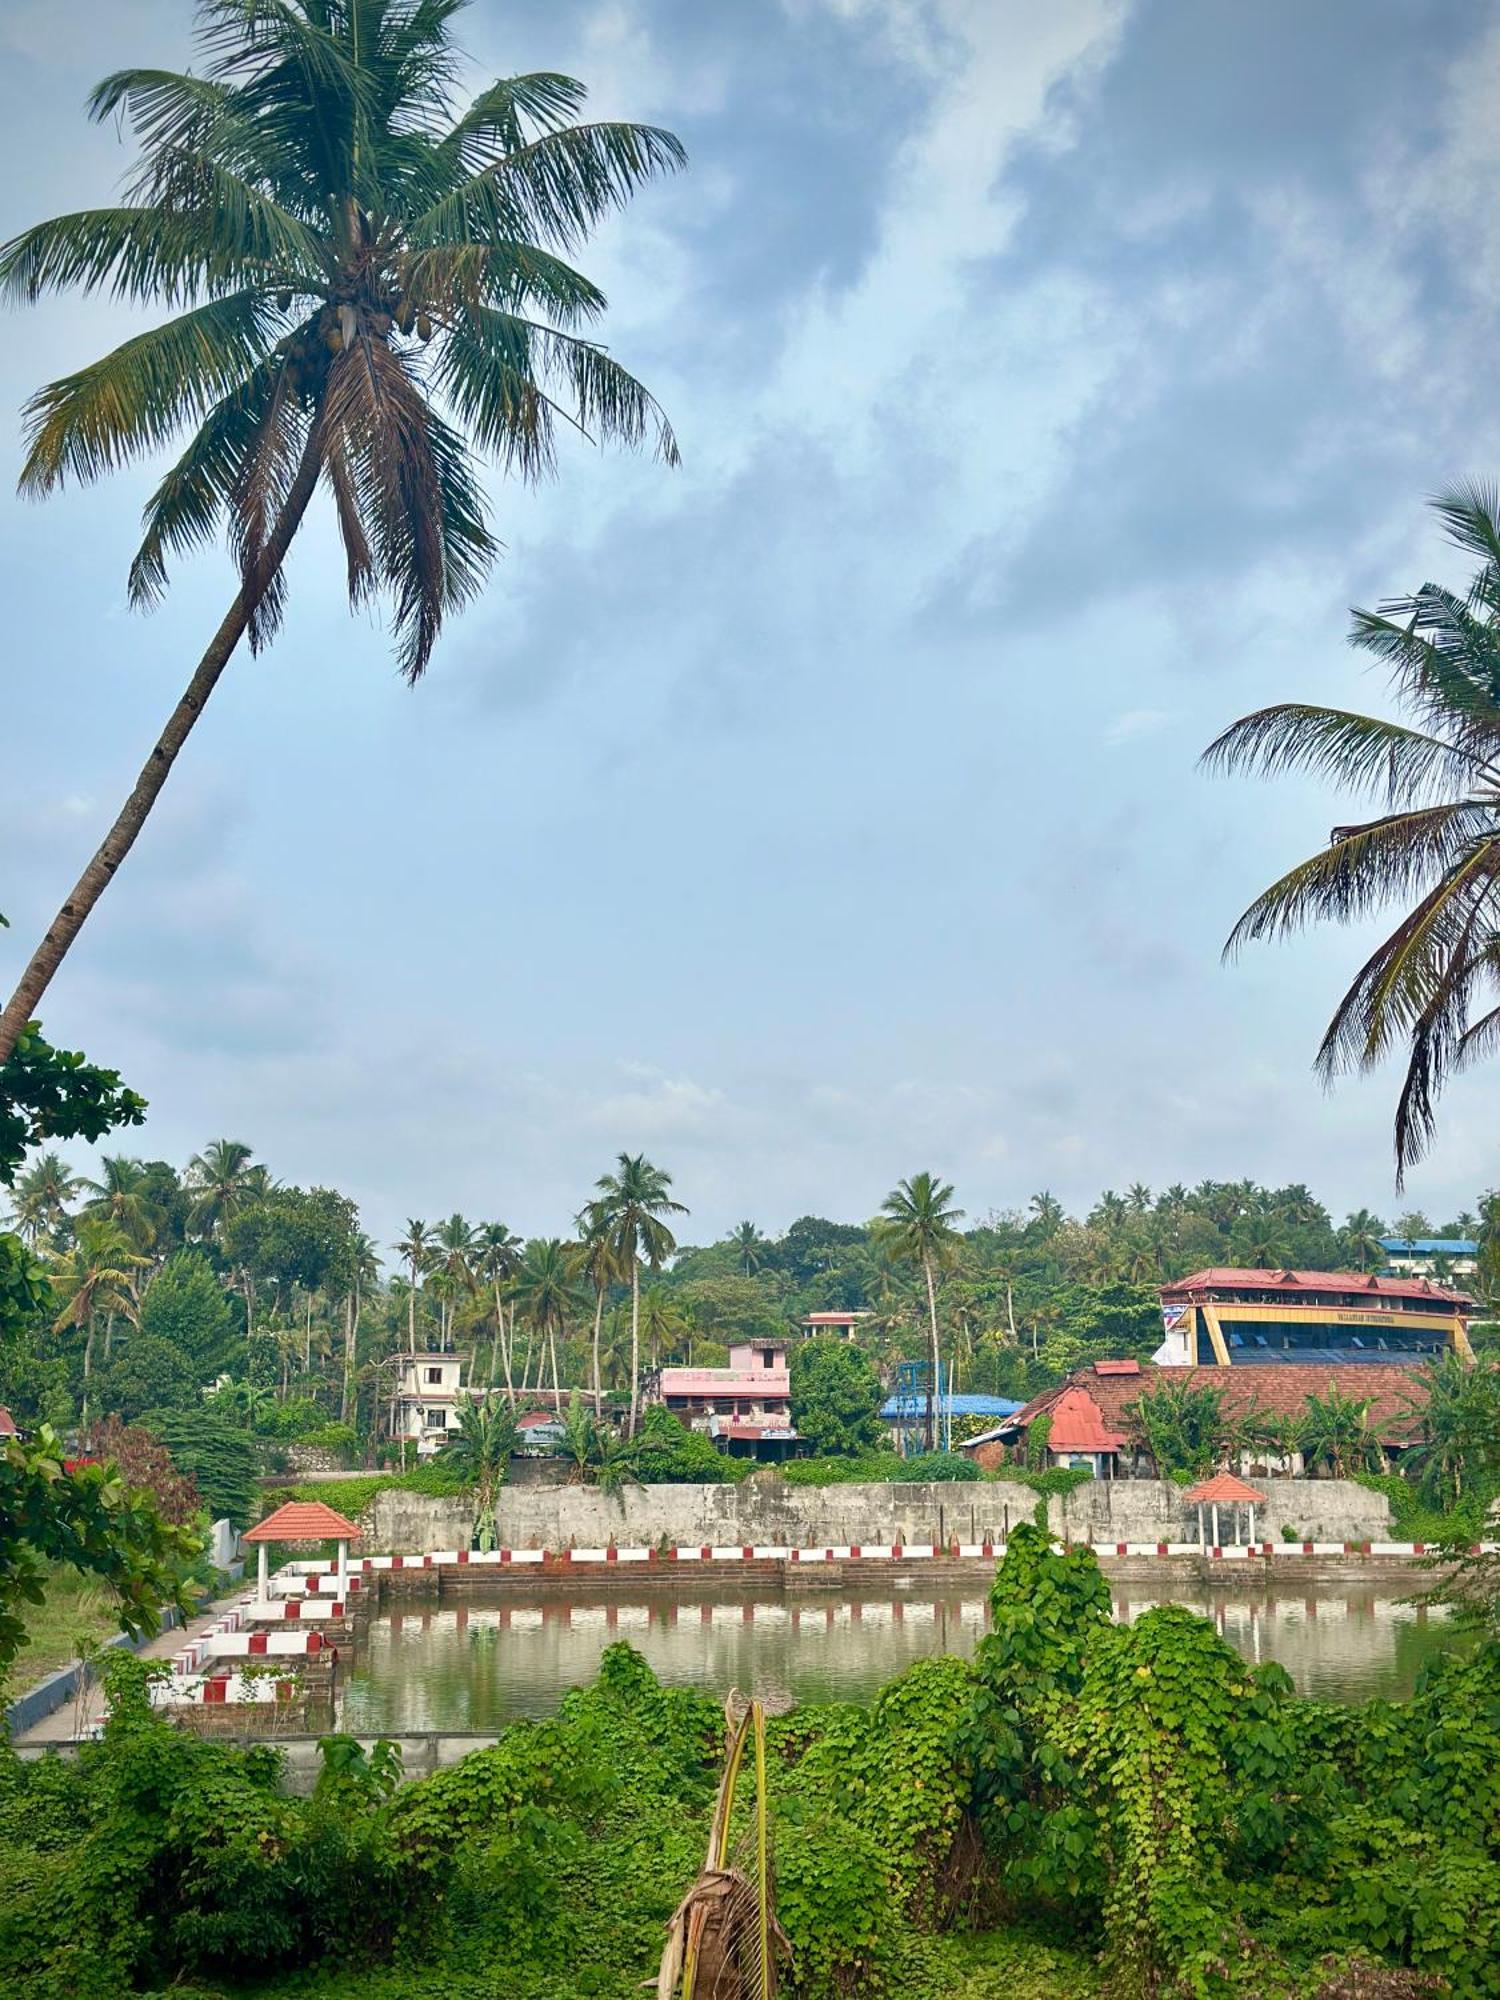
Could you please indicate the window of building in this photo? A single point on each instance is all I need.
(768, 1357)
(437, 1420)
(434, 1374)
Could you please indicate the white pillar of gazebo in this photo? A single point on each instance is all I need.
(262, 1573)
(1217, 1542)
(342, 1593)
(1252, 1523)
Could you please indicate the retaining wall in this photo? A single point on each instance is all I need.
(762, 1511)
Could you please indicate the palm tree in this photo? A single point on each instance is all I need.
(1459, 1412)
(497, 1259)
(1359, 1239)
(1435, 848)
(479, 1449)
(352, 252)
(96, 1275)
(545, 1294)
(915, 1226)
(454, 1250)
(1337, 1428)
(244, 1399)
(594, 1259)
(749, 1247)
(221, 1180)
(415, 1248)
(119, 1195)
(635, 1199)
(41, 1199)
(363, 1276)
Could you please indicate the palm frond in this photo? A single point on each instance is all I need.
(188, 506)
(1366, 866)
(1405, 765)
(516, 276)
(135, 399)
(260, 492)
(557, 187)
(136, 253)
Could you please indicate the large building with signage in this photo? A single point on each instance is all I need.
(1226, 1318)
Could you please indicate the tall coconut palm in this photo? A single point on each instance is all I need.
(1359, 1239)
(594, 1259)
(415, 1249)
(915, 1226)
(1430, 987)
(749, 1247)
(363, 1277)
(98, 1274)
(121, 1193)
(635, 1200)
(546, 1293)
(369, 285)
(497, 1259)
(41, 1199)
(220, 1181)
(454, 1248)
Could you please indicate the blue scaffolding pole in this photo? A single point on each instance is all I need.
(913, 1390)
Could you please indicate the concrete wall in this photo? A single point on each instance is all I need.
(766, 1513)
(1147, 1510)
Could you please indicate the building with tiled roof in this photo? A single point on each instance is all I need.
(1091, 1414)
(1231, 1318)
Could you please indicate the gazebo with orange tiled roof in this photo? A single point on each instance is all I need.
(1223, 1490)
(302, 1521)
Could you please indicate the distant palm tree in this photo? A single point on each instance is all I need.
(635, 1199)
(220, 1181)
(749, 1247)
(1435, 849)
(1359, 1239)
(594, 1259)
(415, 1249)
(41, 1199)
(454, 1249)
(479, 1449)
(363, 1276)
(665, 1324)
(98, 1274)
(121, 1195)
(244, 1399)
(497, 1259)
(915, 1226)
(365, 270)
(546, 1293)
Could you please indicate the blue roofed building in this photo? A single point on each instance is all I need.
(1430, 1256)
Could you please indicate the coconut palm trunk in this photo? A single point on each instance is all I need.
(935, 1386)
(122, 836)
(635, 1343)
(598, 1323)
(503, 1342)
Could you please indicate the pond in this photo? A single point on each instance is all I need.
(483, 1661)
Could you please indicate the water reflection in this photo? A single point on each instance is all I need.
(477, 1663)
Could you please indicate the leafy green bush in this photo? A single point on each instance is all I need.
(667, 1453)
(340, 1438)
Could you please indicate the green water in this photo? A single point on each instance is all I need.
(483, 1661)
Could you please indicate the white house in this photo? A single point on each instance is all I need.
(427, 1390)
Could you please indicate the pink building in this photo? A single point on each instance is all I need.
(742, 1407)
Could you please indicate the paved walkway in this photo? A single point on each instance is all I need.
(77, 1717)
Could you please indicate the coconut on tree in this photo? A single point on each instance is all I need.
(368, 286)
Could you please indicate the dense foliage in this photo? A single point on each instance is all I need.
(1125, 1809)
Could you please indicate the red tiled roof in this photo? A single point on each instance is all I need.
(1078, 1424)
(303, 1521)
(1117, 1367)
(531, 1418)
(1222, 1277)
(1222, 1488)
(1278, 1389)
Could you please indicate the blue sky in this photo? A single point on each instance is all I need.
(1050, 381)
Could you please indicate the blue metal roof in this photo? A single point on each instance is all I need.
(1429, 1246)
(958, 1406)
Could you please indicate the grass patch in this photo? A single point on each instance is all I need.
(78, 1612)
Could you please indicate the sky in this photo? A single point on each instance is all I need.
(1050, 381)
